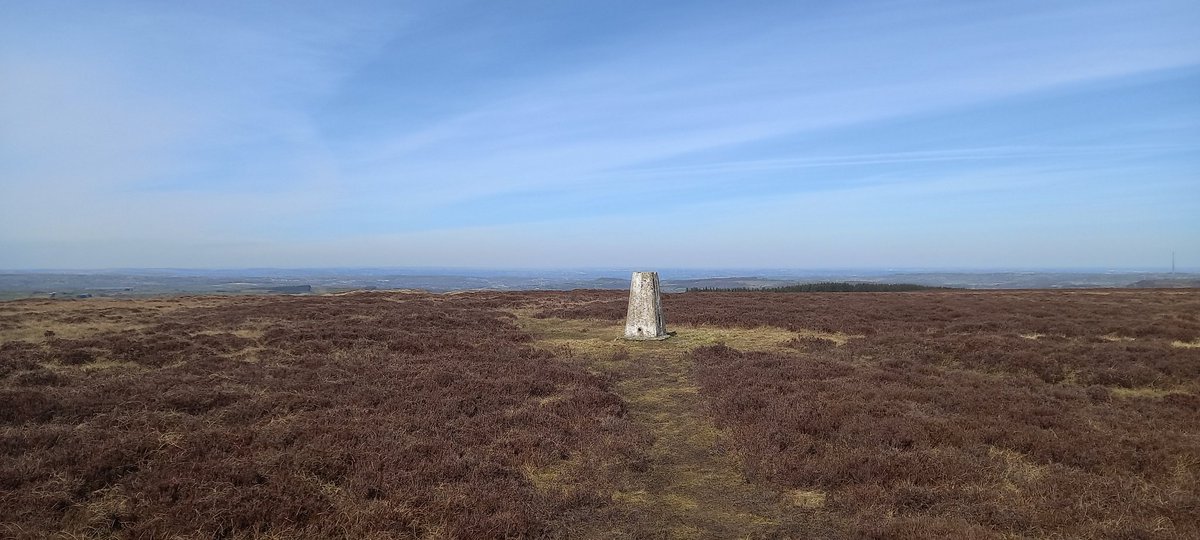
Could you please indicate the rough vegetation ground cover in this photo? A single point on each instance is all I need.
(963, 414)
(689, 485)
(407, 415)
(357, 416)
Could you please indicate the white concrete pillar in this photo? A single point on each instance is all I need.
(644, 320)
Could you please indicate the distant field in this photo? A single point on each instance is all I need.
(952, 414)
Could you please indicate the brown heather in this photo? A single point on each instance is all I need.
(933, 414)
(963, 414)
(397, 415)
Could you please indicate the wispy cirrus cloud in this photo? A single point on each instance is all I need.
(920, 156)
(145, 124)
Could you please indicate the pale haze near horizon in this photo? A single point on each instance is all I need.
(549, 134)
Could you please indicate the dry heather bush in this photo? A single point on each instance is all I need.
(963, 414)
(811, 343)
(959, 426)
(1167, 314)
(1112, 338)
(400, 415)
(901, 444)
(955, 414)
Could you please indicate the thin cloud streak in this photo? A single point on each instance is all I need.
(564, 128)
(925, 156)
(284, 125)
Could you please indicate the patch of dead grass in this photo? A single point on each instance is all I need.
(1038, 335)
(107, 364)
(1193, 344)
(603, 339)
(804, 498)
(37, 331)
(248, 332)
(1017, 468)
(1143, 392)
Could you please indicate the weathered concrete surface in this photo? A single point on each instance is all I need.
(644, 320)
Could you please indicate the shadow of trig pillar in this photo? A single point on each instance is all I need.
(644, 320)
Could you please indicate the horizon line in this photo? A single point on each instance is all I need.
(925, 269)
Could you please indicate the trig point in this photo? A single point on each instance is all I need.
(644, 319)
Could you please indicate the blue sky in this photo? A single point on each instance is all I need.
(570, 134)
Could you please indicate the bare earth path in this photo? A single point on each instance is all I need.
(691, 485)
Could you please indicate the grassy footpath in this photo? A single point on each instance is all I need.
(691, 485)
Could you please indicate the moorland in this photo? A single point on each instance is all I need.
(144, 283)
(944, 413)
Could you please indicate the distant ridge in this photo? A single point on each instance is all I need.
(143, 283)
